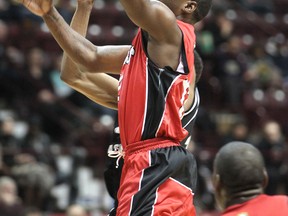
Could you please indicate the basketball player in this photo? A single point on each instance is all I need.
(90, 87)
(154, 84)
(69, 72)
(239, 178)
(113, 172)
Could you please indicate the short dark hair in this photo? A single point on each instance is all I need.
(240, 167)
(203, 8)
(198, 64)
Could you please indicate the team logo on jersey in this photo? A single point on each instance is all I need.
(243, 214)
(131, 53)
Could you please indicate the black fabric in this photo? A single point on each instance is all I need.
(189, 117)
(175, 162)
(112, 174)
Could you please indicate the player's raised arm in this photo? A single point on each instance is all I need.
(78, 48)
(79, 23)
(152, 16)
(99, 87)
(157, 18)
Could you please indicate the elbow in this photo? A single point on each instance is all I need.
(67, 78)
(64, 76)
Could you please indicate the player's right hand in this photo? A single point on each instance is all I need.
(38, 7)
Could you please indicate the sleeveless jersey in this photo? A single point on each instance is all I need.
(260, 206)
(150, 99)
(113, 172)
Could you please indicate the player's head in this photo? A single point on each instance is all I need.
(239, 171)
(201, 11)
(198, 65)
(190, 11)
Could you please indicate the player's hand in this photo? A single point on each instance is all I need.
(38, 7)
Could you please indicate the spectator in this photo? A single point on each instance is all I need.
(261, 71)
(272, 146)
(10, 203)
(9, 143)
(37, 142)
(32, 211)
(76, 210)
(230, 70)
(239, 131)
(34, 179)
(239, 179)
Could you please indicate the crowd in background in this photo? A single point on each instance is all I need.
(53, 140)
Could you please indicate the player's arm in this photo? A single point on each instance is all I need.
(164, 35)
(78, 48)
(99, 87)
(104, 93)
(154, 17)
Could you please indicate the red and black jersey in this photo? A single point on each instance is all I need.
(260, 206)
(113, 172)
(151, 98)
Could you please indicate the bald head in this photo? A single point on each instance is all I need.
(240, 167)
(239, 174)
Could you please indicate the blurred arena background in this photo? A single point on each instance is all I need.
(53, 140)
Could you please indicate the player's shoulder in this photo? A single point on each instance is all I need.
(278, 201)
(280, 198)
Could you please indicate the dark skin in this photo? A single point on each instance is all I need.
(99, 87)
(164, 42)
(226, 197)
(161, 47)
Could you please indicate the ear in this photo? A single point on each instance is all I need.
(216, 181)
(219, 193)
(190, 6)
(266, 178)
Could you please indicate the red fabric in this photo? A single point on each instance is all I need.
(262, 205)
(172, 197)
(146, 145)
(132, 104)
(175, 199)
(130, 180)
(132, 98)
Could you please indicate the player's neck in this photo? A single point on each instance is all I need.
(243, 196)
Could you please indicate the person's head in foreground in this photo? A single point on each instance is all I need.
(239, 174)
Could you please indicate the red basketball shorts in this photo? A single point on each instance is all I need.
(157, 180)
